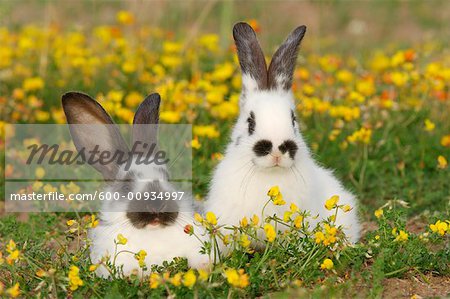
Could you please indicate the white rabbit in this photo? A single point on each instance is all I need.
(267, 148)
(154, 226)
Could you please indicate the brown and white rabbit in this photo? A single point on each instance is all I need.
(153, 226)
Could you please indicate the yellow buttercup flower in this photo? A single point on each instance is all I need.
(270, 232)
(237, 278)
(332, 202)
(274, 191)
(346, 208)
(278, 200)
(298, 221)
(154, 280)
(125, 17)
(429, 125)
(189, 279)
(203, 275)
(442, 162)
(440, 227)
(14, 291)
(140, 256)
(287, 216)
(327, 264)
(255, 220)
(378, 213)
(401, 236)
(121, 239)
(93, 267)
(176, 279)
(39, 173)
(74, 279)
(198, 218)
(211, 218)
(244, 222)
(244, 241)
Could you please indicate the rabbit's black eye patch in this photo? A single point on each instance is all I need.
(262, 148)
(251, 123)
(289, 146)
(293, 118)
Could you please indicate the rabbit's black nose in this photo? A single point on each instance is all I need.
(289, 146)
(262, 147)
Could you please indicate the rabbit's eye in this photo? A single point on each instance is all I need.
(126, 188)
(251, 123)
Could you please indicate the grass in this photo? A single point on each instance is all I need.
(399, 93)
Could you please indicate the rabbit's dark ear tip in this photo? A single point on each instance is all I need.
(72, 95)
(300, 30)
(153, 100)
(243, 29)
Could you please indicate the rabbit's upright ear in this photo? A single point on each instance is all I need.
(251, 58)
(145, 123)
(281, 68)
(96, 137)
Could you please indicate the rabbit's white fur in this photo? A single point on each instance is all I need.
(160, 243)
(241, 180)
(239, 187)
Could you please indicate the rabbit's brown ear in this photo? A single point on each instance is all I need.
(281, 68)
(96, 137)
(251, 58)
(145, 123)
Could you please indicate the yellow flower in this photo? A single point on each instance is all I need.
(195, 144)
(445, 141)
(378, 213)
(154, 280)
(94, 221)
(71, 222)
(429, 125)
(293, 208)
(298, 221)
(344, 76)
(270, 232)
(93, 267)
(363, 136)
(211, 218)
(203, 275)
(176, 279)
(439, 227)
(189, 279)
(125, 17)
(244, 222)
(74, 278)
(33, 84)
(206, 131)
(255, 220)
(237, 278)
(402, 236)
(170, 116)
(377, 237)
(140, 256)
(244, 241)
(278, 200)
(121, 239)
(331, 202)
(287, 216)
(346, 208)
(320, 237)
(274, 191)
(327, 264)
(41, 273)
(39, 173)
(442, 162)
(198, 218)
(14, 291)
